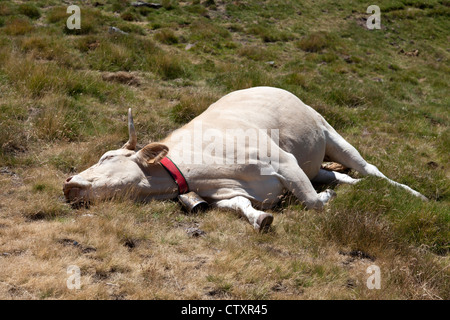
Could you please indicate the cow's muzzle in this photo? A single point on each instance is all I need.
(76, 191)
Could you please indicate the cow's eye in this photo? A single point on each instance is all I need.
(106, 158)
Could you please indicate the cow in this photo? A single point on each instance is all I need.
(246, 180)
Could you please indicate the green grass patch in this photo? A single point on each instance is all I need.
(204, 30)
(6, 8)
(316, 42)
(368, 215)
(166, 36)
(269, 33)
(13, 137)
(234, 78)
(17, 26)
(190, 106)
(29, 10)
(256, 53)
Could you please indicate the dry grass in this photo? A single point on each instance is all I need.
(17, 26)
(131, 251)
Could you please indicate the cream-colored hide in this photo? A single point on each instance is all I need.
(232, 175)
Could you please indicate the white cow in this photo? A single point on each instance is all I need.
(296, 137)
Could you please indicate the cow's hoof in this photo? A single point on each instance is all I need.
(421, 196)
(331, 193)
(264, 221)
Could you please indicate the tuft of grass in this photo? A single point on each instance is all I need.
(6, 9)
(65, 162)
(57, 14)
(256, 53)
(169, 67)
(131, 28)
(40, 187)
(166, 36)
(61, 119)
(17, 26)
(129, 15)
(316, 42)
(190, 106)
(203, 30)
(197, 9)
(29, 10)
(346, 96)
(49, 48)
(119, 52)
(13, 136)
(338, 117)
(169, 4)
(269, 34)
(295, 79)
(236, 78)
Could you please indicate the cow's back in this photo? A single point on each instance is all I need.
(300, 127)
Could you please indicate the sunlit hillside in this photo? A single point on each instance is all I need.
(64, 96)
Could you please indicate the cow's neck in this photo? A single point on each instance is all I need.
(162, 185)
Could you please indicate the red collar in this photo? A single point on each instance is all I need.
(176, 174)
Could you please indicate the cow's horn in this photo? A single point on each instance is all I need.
(132, 141)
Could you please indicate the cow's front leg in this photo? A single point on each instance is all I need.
(258, 219)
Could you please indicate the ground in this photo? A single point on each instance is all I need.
(64, 96)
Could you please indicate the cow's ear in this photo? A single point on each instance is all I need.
(153, 153)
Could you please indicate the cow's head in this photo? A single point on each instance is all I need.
(122, 172)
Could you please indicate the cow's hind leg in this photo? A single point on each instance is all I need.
(258, 219)
(339, 150)
(332, 177)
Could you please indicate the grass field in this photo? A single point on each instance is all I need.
(64, 95)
